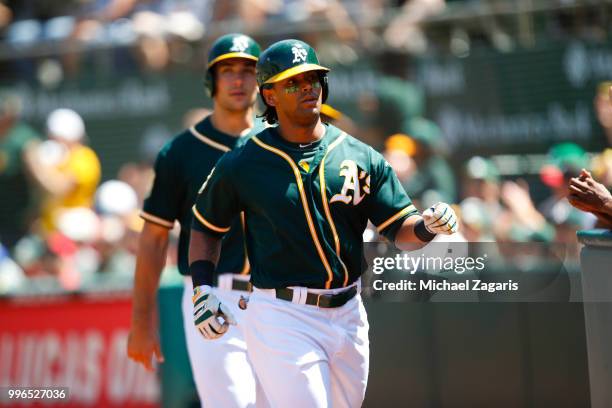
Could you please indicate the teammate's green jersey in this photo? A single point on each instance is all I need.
(306, 207)
(181, 167)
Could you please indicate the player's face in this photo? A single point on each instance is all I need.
(299, 97)
(236, 85)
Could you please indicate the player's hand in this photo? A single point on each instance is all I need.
(206, 311)
(143, 344)
(440, 218)
(586, 194)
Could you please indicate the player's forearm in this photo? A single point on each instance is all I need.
(607, 207)
(406, 238)
(604, 219)
(204, 250)
(150, 262)
(204, 247)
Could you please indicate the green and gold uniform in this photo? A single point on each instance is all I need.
(180, 168)
(306, 206)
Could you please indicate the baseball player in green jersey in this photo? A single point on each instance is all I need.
(221, 370)
(307, 190)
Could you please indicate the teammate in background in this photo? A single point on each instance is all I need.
(307, 190)
(221, 370)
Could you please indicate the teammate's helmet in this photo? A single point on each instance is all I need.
(233, 45)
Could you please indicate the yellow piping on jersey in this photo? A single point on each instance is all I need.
(401, 213)
(330, 220)
(208, 141)
(206, 223)
(246, 267)
(300, 184)
(156, 220)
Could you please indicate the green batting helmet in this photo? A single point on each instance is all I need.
(233, 45)
(287, 58)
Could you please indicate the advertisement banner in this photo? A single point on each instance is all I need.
(76, 342)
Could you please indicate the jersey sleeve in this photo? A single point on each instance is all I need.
(163, 204)
(217, 203)
(389, 204)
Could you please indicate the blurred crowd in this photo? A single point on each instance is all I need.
(59, 225)
(117, 22)
(50, 41)
(156, 35)
(492, 208)
(164, 30)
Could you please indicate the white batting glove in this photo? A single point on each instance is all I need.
(206, 311)
(440, 218)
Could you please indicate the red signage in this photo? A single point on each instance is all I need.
(77, 342)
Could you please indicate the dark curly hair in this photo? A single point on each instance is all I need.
(269, 114)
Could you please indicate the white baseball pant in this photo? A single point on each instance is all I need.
(221, 369)
(306, 356)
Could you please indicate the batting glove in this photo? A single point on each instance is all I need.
(440, 218)
(206, 311)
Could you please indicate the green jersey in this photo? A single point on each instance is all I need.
(306, 206)
(180, 168)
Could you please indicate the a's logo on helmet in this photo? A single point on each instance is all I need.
(240, 43)
(299, 53)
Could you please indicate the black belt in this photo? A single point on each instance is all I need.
(241, 285)
(320, 300)
(244, 286)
